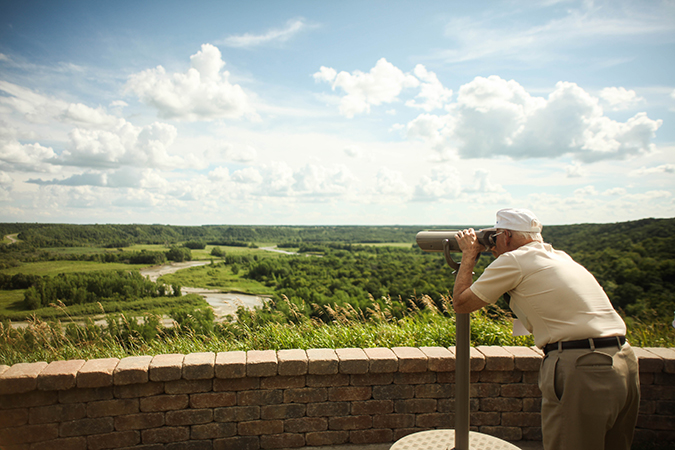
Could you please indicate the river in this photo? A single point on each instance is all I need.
(222, 303)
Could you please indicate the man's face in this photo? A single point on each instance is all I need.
(501, 245)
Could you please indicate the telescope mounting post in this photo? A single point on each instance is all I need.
(460, 438)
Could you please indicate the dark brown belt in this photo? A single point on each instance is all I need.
(586, 343)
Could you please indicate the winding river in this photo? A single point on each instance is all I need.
(223, 303)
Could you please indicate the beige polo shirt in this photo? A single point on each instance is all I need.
(556, 298)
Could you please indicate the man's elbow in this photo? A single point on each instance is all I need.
(463, 308)
(467, 302)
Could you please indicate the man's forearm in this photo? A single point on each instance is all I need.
(463, 278)
(464, 300)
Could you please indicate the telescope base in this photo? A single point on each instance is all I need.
(445, 440)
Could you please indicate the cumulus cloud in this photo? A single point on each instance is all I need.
(5, 186)
(353, 151)
(586, 191)
(38, 108)
(392, 183)
(277, 179)
(127, 145)
(319, 181)
(483, 184)
(664, 168)
(382, 84)
(15, 156)
(619, 98)
(248, 175)
(122, 178)
(274, 35)
(432, 93)
(443, 183)
(202, 93)
(614, 192)
(575, 171)
(493, 117)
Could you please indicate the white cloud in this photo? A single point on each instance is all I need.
(575, 171)
(614, 192)
(15, 156)
(664, 168)
(202, 93)
(493, 117)
(278, 179)
(586, 191)
(248, 175)
(392, 183)
(127, 145)
(483, 184)
(619, 98)
(5, 179)
(219, 175)
(353, 151)
(443, 183)
(432, 93)
(243, 154)
(248, 40)
(319, 181)
(122, 178)
(38, 108)
(382, 84)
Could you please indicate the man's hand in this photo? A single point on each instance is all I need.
(464, 300)
(468, 244)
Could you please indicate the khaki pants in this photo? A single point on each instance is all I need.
(590, 398)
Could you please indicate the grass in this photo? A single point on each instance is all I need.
(50, 341)
(216, 276)
(205, 254)
(43, 268)
(80, 313)
(425, 326)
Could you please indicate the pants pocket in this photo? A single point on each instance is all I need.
(548, 379)
(594, 361)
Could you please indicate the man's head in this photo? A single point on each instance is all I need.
(517, 228)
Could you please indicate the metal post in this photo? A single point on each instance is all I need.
(460, 438)
(462, 381)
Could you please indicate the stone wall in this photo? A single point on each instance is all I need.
(288, 398)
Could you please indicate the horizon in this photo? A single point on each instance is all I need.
(330, 225)
(350, 114)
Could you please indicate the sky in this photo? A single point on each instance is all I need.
(336, 113)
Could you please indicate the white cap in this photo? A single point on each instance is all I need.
(517, 220)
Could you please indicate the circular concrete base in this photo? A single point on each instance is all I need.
(445, 440)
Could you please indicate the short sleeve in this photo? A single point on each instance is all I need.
(499, 277)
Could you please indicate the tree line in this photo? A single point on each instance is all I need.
(91, 287)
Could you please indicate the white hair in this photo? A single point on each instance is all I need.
(533, 235)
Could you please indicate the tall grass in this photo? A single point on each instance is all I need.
(423, 324)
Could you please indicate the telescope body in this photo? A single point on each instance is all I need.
(434, 241)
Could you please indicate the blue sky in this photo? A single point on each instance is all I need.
(332, 113)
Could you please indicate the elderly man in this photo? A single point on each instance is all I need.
(589, 376)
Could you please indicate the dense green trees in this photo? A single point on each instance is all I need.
(80, 288)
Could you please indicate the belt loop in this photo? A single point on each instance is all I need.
(618, 341)
(592, 344)
(560, 347)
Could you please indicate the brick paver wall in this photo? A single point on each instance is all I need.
(289, 398)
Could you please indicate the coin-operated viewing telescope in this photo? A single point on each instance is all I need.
(460, 438)
(444, 241)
